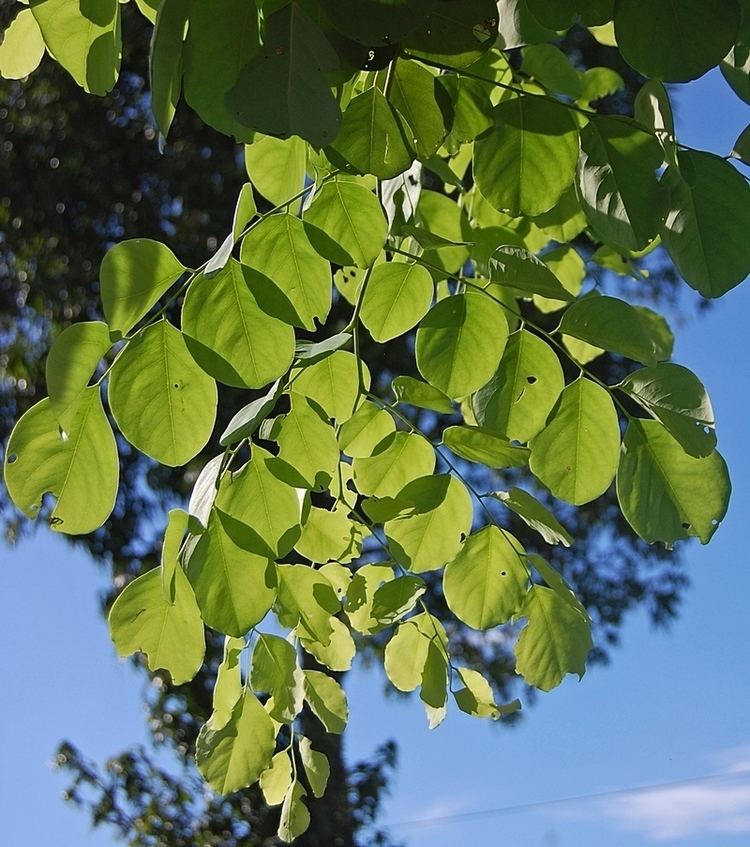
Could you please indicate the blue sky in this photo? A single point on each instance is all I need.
(670, 707)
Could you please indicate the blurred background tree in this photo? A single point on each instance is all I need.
(79, 173)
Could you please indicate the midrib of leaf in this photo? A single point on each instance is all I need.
(355, 233)
(301, 287)
(395, 300)
(74, 452)
(245, 331)
(170, 410)
(225, 570)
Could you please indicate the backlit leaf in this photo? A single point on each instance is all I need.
(526, 162)
(576, 455)
(460, 342)
(487, 581)
(229, 335)
(484, 446)
(400, 458)
(134, 275)
(555, 641)
(535, 515)
(398, 296)
(327, 700)
(665, 494)
(169, 633)
(162, 401)
(22, 48)
(78, 465)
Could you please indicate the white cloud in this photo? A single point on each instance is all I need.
(718, 808)
(714, 806)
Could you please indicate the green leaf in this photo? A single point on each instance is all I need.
(564, 221)
(71, 362)
(517, 268)
(283, 90)
(162, 401)
(229, 335)
(375, 22)
(204, 493)
(400, 458)
(84, 38)
(417, 96)
(487, 581)
(741, 147)
(476, 698)
(277, 167)
(339, 653)
(339, 576)
(599, 83)
(277, 780)
(708, 218)
(617, 185)
(562, 13)
(535, 515)
(361, 434)
(614, 325)
(664, 493)
(234, 755)
(295, 818)
(471, 106)
(316, 767)
(327, 701)
(270, 508)
(234, 586)
(568, 266)
(676, 397)
(460, 342)
(329, 536)
(134, 275)
(165, 65)
(736, 70)
(436, 515)
(22, 48)
(169, 633)
(557, 583)
(307, 442)
(676, 43)
(398, 296)
(274, 670)
(78, 465)
(420, 394)
(244, 211)
(333, 383)
(223, 36)
(360, 596)
(372, 138)
(552, 69)
(308, 352)
(396, 598)
(518, 399)
(555, 642)
(654, 110)
(457, 33)
(279, 248)
(405, 656)
(576, 455)
(228, 685)
(444, 223)
(306, 602)
(249, 418)
(476, 444)
(526, 162)
(345, 223)
(177, 524)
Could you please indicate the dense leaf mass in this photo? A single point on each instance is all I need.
(437, 189)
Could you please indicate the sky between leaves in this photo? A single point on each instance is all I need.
(670, 707)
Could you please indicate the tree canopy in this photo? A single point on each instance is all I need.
(401, 313)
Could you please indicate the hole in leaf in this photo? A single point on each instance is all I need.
(714, 522)
(531, 379)
(707, 430)
(463, 537)
(176, 385)
(55, 521)
(12, 458)
(503, 573)
(685, 525)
